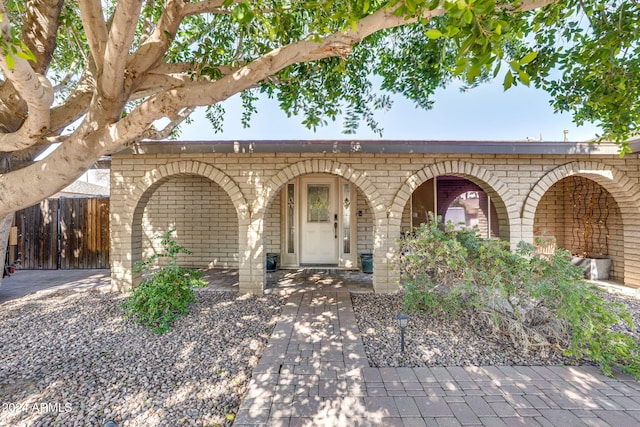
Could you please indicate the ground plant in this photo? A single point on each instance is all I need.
(536, 303)
(166, 291)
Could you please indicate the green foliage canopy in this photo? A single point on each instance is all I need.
(95, 75)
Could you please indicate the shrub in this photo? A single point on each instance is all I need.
(432, 266)
(165, 292)
(533, 301)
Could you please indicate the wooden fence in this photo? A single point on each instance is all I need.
(65, 233)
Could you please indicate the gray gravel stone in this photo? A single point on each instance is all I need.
(69, 358)
(439, 340)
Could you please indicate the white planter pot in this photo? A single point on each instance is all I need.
(594, 268)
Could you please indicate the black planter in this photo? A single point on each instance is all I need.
(273, 260)
(367, 263)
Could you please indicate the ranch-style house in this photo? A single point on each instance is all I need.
(327, 202)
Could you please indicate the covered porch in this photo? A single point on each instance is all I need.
(324, 204)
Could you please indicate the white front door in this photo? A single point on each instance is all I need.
(319, 221)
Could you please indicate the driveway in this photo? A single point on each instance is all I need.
(24, 282)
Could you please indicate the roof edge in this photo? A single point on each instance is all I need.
(377, 147)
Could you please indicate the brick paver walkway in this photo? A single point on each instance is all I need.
(314, 372)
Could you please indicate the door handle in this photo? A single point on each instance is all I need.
(335, 230)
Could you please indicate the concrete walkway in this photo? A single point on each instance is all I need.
(281, 282)
(314, 372)
(24, 282)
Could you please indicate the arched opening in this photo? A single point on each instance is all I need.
(581, 216)
(202, 214)
(318, 220)
(455, 199)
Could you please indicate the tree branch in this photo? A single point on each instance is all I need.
(34, 89)
(527, 5)
(63, 84)
(206, 93)
(205, 6)
(48, 176)
(156, 83)
(159, 135)
(95, 29)
(76, 104)
(155, 46)
(39, 29)
(121, 35)
(168, 76)
(95, 138)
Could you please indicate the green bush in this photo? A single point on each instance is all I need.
(165, 292)
(431, 266)
(534, 302)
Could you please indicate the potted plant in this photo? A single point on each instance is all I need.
(596, 264)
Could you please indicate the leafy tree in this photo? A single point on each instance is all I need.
(93, 75)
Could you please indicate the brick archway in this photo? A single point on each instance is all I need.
(154, 178)
(618, 185)
(129, 232)
(375, 200)
(500, 194)
(332, 167)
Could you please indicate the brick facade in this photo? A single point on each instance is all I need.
(202, 215)
(227, 205)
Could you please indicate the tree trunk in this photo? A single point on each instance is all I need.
(5, 223)
(5, 226)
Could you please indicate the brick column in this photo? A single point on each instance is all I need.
(519, 231)
(631, 256)
(120, 260)
(126, 249)
(385, 249)
(251, 267)
(121, 214)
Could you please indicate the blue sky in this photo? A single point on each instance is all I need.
(483, 113)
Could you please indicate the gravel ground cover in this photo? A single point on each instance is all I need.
(438, 340)
(69, 358)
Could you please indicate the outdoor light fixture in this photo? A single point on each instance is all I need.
(403, 319)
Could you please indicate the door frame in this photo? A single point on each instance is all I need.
(292, 222)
